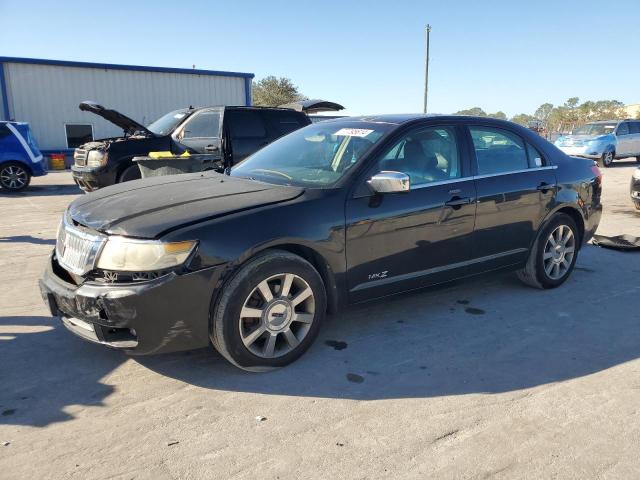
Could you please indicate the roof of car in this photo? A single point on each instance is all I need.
(608, 121)
(400, 118)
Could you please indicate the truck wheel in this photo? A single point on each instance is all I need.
(14, 176)
(130, 173)
(553, 255)
(270, 312)
(607, 159)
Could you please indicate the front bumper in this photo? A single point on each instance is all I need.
(586, 152)
(167, 314)
(90, 179)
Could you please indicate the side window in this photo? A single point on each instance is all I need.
(535, 157)
(427, 155)
(634, 127)
(78, 134)
(205, 124)
(498, 151)
(245, 124)
(284, 122)
(623, 129)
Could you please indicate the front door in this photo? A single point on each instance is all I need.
(515, 187)
(401, 241)
(624, 144)
(201, 132)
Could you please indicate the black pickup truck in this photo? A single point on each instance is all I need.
(229, 131)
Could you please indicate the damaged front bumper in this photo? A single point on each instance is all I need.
(166, 314)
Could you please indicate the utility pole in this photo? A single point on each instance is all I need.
(426, 70)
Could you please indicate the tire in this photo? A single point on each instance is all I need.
(607, 159)
(130, 173)
(245, 340)
(637, 205)
(638, 159)
(14, 176)
(536, 271)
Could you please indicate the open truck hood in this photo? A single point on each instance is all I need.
(125, 123)
(150, 207)
(313, 106)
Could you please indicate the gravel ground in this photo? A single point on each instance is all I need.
(485, 378)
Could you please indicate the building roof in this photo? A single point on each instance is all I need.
(111, 66)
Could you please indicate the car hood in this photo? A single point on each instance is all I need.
(125, 123)
(582, 138)
(313, 106)
(151, 207)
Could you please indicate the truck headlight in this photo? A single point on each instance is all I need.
(129, 255)
(636, 174)
(97, 158)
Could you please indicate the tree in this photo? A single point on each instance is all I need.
(475, 111)
(543, 112)
(499, 114)
(273, 91)
(523, 119)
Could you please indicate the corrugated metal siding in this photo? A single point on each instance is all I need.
(47, 96)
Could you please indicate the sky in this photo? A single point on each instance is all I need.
(369, 56)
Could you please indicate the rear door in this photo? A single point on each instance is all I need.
(201, 132)
(247, 132)
(515, 188)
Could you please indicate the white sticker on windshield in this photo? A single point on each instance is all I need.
(353, 132)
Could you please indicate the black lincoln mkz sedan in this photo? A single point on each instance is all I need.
(336, 213)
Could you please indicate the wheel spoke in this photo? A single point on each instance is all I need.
(286, 284)
(555, 271)
(569, 250)
(291, 338)
(565, 263)
(301, 297)
(567, 236)
(303, 317)
(552, 239)
(549, 268)
(270, 345)
(248, 312)
(547, 255)
(265, 291)
(253, 336)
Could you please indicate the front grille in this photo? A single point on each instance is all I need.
(80, 157)
(77, 248)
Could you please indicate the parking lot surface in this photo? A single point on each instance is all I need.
(479, 379)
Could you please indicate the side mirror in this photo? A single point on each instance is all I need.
(390, 182)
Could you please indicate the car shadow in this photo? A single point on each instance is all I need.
(44, 370)
(487, 335)
(490, 335)
(27, 239)
(43, 191)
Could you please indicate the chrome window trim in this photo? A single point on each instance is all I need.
(477, 177)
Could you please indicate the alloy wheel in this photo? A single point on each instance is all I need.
(607, 159)
(277, 315)
(13, 177)
(558, 252)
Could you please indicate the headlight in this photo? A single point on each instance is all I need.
(97, 158)
(636, 174)
(129, 255)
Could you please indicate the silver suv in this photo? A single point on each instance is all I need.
(604, 141)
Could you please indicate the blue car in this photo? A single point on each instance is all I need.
(20, 158)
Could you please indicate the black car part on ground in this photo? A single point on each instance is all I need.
(618, 242)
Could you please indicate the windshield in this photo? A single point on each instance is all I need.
(595, 129)
(167, 123)
(316, 156)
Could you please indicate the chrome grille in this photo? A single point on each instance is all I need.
(80, 157)
(77, 248)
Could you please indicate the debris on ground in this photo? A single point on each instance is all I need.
(260, 418)
(6, 444)
(617, 242)
(172, 442)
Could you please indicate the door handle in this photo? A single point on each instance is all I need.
(457, 202)
(544, 186)
(211, 148)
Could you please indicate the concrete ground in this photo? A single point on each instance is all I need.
(480, 379)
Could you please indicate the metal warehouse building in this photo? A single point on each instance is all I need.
(46, 93)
